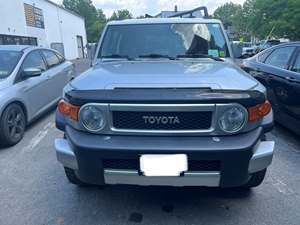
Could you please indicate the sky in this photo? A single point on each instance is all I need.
(153, 7)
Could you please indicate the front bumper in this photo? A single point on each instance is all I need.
(239, 155)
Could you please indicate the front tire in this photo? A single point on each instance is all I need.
(256, 179)
(12, 125)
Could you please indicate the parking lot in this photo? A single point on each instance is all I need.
(34, 190)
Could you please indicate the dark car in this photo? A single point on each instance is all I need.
(278, 68)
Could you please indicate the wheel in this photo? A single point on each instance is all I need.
(256, 179)
(12, 125)
(72, 177)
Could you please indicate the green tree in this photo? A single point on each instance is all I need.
(281, 16)
(228, 13)
(121, 15)
(263, 18)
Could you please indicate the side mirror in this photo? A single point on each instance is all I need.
(237, 50)
(31, 72)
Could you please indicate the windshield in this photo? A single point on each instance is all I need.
(133, 41)
(8, 61)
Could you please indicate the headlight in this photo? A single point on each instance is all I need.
(233, 119)
(92, 118)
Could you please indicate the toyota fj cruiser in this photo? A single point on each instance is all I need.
(164, 104)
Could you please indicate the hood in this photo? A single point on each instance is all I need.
(165, 74)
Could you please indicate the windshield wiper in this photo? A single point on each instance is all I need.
(157, 56)
(199, 55)
(116, 56)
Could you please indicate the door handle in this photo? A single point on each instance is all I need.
(291, 79)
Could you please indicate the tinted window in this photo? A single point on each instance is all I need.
(296, 67)
(61, 58)
(51, 58)
(8, 61)
(262, 56)
(280, 57)
(165, 39)
(34, 60)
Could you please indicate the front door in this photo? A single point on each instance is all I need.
(35, 89)
(275, 75)
(80, 47)
(293, 79)
(58, 74)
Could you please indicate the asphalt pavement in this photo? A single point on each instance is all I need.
(34, 191)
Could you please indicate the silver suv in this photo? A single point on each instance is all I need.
(164, 104)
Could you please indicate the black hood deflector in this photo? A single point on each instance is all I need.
(165, 96)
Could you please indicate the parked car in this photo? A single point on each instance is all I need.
(31, 81)
(164, 104)
(248, 49)
(278, 68)
(265, 44)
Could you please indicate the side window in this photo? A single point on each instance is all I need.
(280, 57)
(51, 58)
(61, 58)
(34, 60)
(296, 67)
(262, 56)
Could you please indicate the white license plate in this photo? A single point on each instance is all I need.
(163, 165)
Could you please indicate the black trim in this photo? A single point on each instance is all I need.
(166, 96)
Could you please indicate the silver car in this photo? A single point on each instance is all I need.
(31, 81)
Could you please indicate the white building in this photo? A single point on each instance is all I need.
(42, 23)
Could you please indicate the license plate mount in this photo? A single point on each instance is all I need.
(163, 165)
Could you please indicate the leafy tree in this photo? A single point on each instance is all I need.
(263, 18)
(101, 16)
(121, 15)
(228, 13)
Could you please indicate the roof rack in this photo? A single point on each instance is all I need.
(190, 13)
(148, 16)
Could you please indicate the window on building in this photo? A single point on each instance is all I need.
(34, 60)
(17, 40)
(34, 16)
(51, 58)
(280, 57)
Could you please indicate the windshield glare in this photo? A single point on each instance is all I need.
(164, 39)
(8, 61)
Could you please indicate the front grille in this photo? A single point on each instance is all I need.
(204, 165)
(162, 120)
(133, 164)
